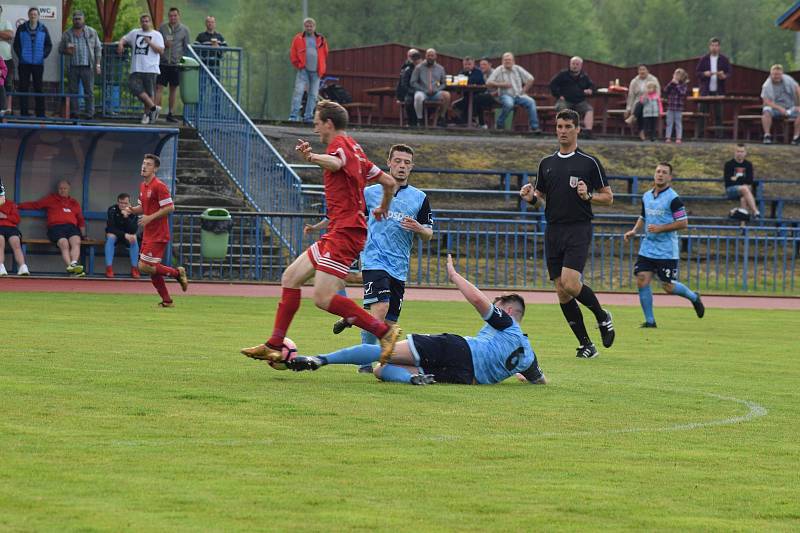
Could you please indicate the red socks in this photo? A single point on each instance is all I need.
(288, 306)
(353, 313)
(163, 270)
(161, 286)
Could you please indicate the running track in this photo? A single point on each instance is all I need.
(257, 290)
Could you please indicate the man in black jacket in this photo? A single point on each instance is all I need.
(405, 96)
(121, 227)
(570, 88)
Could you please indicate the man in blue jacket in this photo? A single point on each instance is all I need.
(32, 45)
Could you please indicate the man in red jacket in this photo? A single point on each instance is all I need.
(9, 218)
(65, 224)
(309, 55)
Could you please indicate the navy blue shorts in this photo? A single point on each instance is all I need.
(665, 269)
(379, 286)
(62, 231)
(446, 356)
(8, 232)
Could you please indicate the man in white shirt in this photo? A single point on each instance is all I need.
(512, 83)
(147, 45)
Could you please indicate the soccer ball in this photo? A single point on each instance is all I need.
(289, 350)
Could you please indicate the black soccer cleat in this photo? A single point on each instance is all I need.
(587, 352)
(699, 308)
(648, 325)
(300, 363)
(422, 379)
(341, 325)
(607, 330)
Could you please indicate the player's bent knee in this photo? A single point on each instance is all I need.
(146, 268)
(668, 288)
(377, 372)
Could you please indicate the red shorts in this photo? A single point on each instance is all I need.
(336, 250)
(152, 252)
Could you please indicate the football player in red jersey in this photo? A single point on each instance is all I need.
(155, 204)
(346, 172)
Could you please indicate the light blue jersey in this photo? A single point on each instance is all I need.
(664, 208)
(500, 349)
(388, 245)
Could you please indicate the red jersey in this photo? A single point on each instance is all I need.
(344, 189)
(152, 197)
(60, 210)
(9, 209)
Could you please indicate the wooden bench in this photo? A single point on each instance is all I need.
(358, 107)
(757, 118)
(89, 244)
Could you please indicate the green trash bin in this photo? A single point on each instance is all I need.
(215, 230)
(190, 80)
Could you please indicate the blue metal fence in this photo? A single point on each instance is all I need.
(510, 254)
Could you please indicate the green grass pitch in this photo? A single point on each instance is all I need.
(118, 416)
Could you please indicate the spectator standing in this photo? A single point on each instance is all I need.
(65, 224)
(81, 46)
(9, 219)
(738, 176)
(403, 92)
(6, 40)
(3, 75)
(121, 227)
(309, 55)
(652, 108)
(675, 92)
(512, 83)
(663, 215)
(712, 71)
(32, 45)
(570, 88)
(176, 42)
(147, 45)
(212, 38)
(636, 89)
(428, 83)
(781, 96)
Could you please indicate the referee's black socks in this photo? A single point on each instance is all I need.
(587, 298)
(575, 320)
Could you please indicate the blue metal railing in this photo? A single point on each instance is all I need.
(510, 254)
(262, 175)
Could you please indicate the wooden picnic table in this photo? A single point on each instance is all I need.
(468, 91)
(381, 93)
(735, 102)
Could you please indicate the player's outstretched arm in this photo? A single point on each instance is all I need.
(473, 294)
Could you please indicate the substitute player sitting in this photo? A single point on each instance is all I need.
(346, 172)
(499, 350)
(663, 215)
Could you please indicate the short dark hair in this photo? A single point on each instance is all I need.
(714, 40)
(123, 195)
(665, 164)
(511, 298)
(740, 145)
(401, 148)
(154, 158)
(33, 9)
(468, 58)
(333, 111)
(175, 9)
(571, 115)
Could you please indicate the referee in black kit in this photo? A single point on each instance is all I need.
(569, 182)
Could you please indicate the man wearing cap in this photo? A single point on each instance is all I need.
(82, 51)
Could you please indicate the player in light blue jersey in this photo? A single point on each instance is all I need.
(663, 215)
(499, 350)
(386, 256)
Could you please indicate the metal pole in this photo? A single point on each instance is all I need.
(305, 11)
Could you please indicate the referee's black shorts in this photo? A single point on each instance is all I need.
(567, 245)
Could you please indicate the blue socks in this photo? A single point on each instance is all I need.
(134, 253)
(682, 290)
(109, 249)
(363, 354)
(342, 292)
(395, 373)
(646, 299)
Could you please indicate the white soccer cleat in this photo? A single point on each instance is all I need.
(3, 271)
(23, 271)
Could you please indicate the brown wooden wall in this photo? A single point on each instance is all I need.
(362, 68)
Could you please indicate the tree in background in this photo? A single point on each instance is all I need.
(127, 17)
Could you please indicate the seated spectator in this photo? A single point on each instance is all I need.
(636, 89)
(485, 65)
(513, 82)
(652, 108)
(570, 88)
(738, 176)
(65, 225)
(428, 84)
(481, 101)
(121, 227)
(403, 92)
(781, 95)
(32, 45)
(9, 219)
(210, 37)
